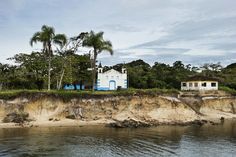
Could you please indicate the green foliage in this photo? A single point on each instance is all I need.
(47, 37)
(228, 90)
(68, 95)
(142, 76)
(31, 72)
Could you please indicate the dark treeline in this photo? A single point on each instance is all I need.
(30, 72)
(160, 75)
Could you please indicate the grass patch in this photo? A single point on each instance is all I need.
(228, 90)
(68, 95)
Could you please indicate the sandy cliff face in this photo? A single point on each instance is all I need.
(160, 109)
(214, 107)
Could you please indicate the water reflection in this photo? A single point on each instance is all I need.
(217, 140)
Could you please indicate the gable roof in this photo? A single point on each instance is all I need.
(112, 71)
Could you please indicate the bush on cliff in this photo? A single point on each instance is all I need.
(228, 90)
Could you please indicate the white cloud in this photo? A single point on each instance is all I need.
(154, 30)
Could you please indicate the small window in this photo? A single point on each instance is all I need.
(117, 77)
(106, 77)
(184, 84)
(204, 84)
(112, 77)
(191, 84)
(195, 84)
(213, 84)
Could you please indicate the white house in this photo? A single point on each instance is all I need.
(111, 79)
(199, 83)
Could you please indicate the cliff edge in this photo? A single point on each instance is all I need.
(147, 110)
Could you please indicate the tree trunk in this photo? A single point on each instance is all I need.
(49, 73)
(70, 68)
(62, 73)
(94, 69)
(57, 83)
(49, 67)
(61, 78)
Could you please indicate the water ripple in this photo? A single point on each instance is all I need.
(100, 141)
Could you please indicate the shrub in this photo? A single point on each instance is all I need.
(228, 90)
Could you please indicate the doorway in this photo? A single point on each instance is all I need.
(112, 85)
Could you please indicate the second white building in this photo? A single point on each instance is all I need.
(199, 83)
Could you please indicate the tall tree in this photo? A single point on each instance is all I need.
(98, 44)
(47, 36)
(67, 52)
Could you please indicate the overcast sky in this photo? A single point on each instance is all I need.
(194, 32)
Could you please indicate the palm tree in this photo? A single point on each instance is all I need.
(47, 37)
(96, 41)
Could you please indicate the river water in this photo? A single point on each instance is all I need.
(193, 141)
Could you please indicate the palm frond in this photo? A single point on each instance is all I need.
(47, 33)
(97, 41)
(106, 46)
(48, 29)
(35, 38)
(108, 49)
(60, 39)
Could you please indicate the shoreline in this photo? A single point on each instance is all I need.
(48, 124)
(105, 123)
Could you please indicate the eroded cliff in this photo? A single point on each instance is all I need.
(107, 109)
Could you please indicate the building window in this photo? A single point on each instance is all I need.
(112, 77)
(204, 84)
(184, 84)
(107, 77)
(213, 84)
(117, 77)
(195, 84)
(191, 84)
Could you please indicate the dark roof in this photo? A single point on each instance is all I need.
(201, 78)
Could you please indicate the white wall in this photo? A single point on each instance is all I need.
(103, 80)
(200, 87)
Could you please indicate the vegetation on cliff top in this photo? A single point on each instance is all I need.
(31, 73)
(68, 95)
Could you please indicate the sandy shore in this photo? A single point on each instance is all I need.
(79, 123)
(61, 123)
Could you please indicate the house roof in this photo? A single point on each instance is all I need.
(201, 78)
